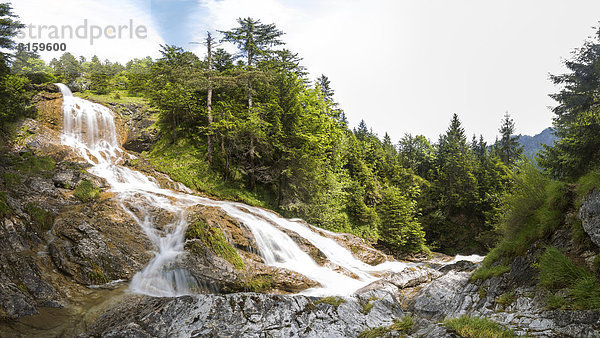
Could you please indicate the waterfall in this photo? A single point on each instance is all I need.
(90, 130)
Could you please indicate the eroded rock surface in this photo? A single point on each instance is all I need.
(242, 315)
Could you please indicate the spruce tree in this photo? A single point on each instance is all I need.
(508, 148)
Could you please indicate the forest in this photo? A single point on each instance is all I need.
(253, 126)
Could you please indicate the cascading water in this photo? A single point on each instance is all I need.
(89, 129)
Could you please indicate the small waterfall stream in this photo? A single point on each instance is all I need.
(90, 130)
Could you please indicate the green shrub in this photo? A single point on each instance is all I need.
(42, 218)
(86, 191)
(533, 210)
(213, 238)
(477, 327)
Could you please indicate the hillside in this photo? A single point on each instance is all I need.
(533, 144)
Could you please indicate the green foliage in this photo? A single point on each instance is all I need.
(485, 272)
(97, 275)
(30, 164)
(587, 183)
(399, 225)
(558, 272)
(334, 301)
(213, 238)
(183, 161)
(508, 148)
(42, 218)
(554, 301)
(535, 208)
(477, 327)
(366, 307)
(577, 116)
(11, 179)
(403, 325)
(85, 191)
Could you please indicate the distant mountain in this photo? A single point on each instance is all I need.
(533, 144)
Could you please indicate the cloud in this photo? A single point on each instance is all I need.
(76, 13)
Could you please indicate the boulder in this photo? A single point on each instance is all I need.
(589, 213)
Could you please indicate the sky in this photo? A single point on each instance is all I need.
(402, 66)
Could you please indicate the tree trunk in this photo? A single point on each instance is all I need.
(226, 174)
(174, 127)
(209, 100)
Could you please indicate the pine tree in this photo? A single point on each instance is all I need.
(9, 27)
(508, 148)
(577, 116)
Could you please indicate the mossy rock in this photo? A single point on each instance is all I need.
(85, 191)
(42, 218)
(213, 238)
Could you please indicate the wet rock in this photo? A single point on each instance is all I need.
(459, 266)
(409, 277)
(589, 213)
(242, 314)
(98, 242)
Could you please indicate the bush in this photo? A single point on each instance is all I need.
(86, 191)
(477, 327)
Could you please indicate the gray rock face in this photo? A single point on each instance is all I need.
(241, 315)
(589, 213)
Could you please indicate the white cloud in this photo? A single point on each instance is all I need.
(101, 13)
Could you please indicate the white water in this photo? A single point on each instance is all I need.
(89, 129)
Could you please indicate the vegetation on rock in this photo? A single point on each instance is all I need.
(86, 191)
(477, 327)
(213, 238)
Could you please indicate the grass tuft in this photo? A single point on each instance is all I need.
(403, 325)
(477, 327)
(335, 301)
(558, 272)
(485, 272)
